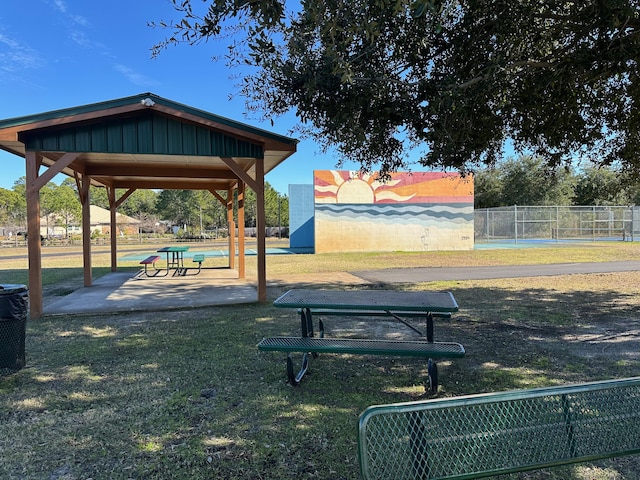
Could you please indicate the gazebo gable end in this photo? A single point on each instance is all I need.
(143, 132)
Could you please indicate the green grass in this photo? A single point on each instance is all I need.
(187, 395)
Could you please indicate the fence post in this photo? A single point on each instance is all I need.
(515, 223)
(487, 224)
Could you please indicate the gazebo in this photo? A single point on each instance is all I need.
(143, 142)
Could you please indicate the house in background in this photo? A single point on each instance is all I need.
(54, 226)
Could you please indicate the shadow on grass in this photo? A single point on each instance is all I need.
(51, 275)
(187, 395)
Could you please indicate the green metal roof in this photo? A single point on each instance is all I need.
(141, 98)
(146, 132)
(146, 141)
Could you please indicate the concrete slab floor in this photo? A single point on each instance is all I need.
(127, 292)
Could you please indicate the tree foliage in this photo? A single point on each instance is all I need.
(64, 204)
(527, 181)
(276, 208)
(178, 206)
(376, 78)
(601, 186)
(199, 210)
(13, 208)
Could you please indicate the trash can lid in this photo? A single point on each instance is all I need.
(11, 288)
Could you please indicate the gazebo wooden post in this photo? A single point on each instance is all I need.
(33, 235)
(257, 185)
(261, 232)
(232, 229)
(113, 234)
(86, 229)
(114, 203)
(241, 223)
(229, 205)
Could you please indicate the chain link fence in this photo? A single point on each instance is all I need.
(557, 223)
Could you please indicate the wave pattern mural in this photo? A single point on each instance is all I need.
(412, 212)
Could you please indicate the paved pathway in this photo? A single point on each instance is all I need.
(429, 274)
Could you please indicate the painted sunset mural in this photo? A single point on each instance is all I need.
(418, 211)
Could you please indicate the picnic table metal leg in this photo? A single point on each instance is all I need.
(432, 376)
(432, 366)
(175, 262)
(402, 320)
(306, 322)
(306, 328)
(156, 269)
(295, 379)
(430, 327)
(168, 264)
(180, 262)
(306, 325)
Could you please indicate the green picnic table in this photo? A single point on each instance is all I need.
(392, 303)
(175, 258)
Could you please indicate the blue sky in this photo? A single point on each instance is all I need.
(63, 53)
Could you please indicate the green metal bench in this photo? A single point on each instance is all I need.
(482, 435)
(308, 345)
(199, 259)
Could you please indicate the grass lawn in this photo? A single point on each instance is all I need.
(187, 395)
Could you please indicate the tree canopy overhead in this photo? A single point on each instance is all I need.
(456, 79)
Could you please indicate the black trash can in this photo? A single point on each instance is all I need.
(14, 308)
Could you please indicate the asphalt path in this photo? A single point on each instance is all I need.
(432, 274)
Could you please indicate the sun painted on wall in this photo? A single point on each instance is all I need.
(341, 186)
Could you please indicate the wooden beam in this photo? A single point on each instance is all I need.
(19, 132)
(85, 183)
(178, 184)
(33, 236)
(241, 248)
(220, 198)
(52, 171)
(113, 237)
(261, 232)
(232, 229)
(158, 171)
(242, 175)
(124, 196)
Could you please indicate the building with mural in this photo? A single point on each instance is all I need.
(417, 211)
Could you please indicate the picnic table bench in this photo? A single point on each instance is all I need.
(477, 436)
(199, 259)
(150, 260)
(365, 303)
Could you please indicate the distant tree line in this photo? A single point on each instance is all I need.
(524, 180)
(198, 210)
(528, 180)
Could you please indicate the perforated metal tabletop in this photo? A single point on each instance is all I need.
(387, 300)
